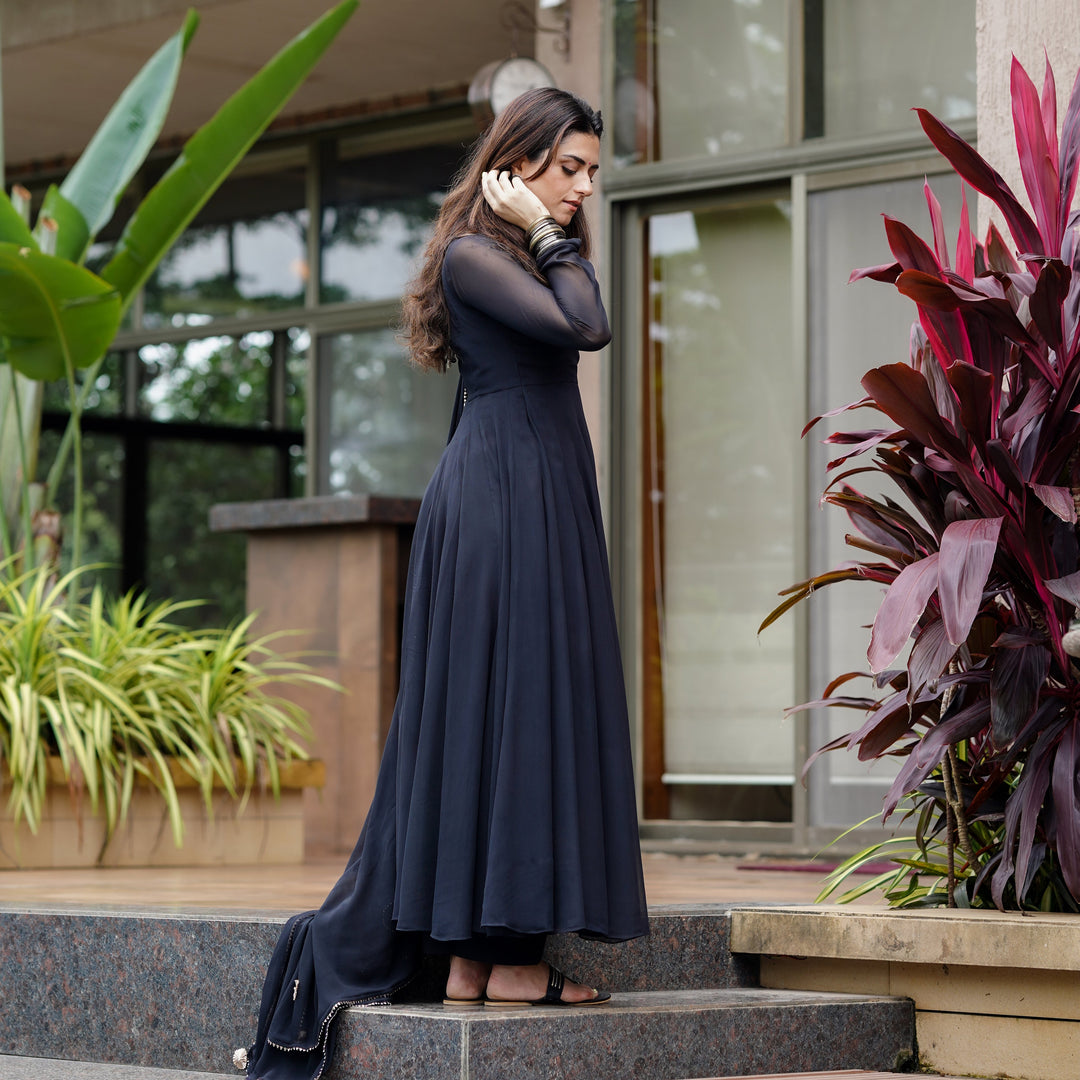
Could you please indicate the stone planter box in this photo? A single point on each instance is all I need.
(996, 994)
(268, 830)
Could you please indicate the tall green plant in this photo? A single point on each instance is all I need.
(981, 561)
(55, 315)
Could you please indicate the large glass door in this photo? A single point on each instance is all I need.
(721, 408)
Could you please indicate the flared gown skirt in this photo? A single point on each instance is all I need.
(515, 806)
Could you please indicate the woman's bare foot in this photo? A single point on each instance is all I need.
(468, 979)
(510, 983)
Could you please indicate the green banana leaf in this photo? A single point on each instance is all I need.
(120, 145)
(54, 312)
(72, 235)
(13, 445)
(212, 152)
(13, 229)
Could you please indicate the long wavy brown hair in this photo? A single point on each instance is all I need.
(532, 126)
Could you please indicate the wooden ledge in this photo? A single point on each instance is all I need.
(1046, 942)
(316, 511)
(293, 775)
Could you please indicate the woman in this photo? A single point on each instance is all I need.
(504, 809)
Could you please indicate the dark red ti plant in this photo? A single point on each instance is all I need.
(981, 558)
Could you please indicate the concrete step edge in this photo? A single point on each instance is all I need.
(35, 1068)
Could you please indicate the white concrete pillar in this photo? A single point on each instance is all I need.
(1004, 28)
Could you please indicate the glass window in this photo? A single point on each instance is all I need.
(700, 78)
(852, 328)
(882, 59)
(245, 252)
(219, 380)
(722, 431)
(184, 560)
(377, 213)
(106, 396)
(385, 420)
(103, 501)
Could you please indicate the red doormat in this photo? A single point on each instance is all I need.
(821, 868)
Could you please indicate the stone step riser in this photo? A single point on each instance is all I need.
(180, 991)
(659, 1036)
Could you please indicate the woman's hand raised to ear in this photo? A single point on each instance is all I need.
(508, 196)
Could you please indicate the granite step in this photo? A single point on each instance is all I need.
(174, 990)
(32, 1068)
(179, 991)
(658, 1035)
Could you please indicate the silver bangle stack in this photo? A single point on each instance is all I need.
(542, 234)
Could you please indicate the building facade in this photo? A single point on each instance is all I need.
(751, 147)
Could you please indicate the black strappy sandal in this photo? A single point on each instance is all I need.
(556, 980)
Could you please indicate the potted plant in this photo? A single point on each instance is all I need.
(976, 548)
(104, 696)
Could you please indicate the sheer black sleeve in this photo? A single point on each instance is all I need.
(568, 311)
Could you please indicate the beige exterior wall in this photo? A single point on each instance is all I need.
(581, 72)
(1004, 28)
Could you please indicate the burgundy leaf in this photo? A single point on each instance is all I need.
(930, 656)
(1005, 467)
(998, 256)
(841, 679)
(947, 295)
(796, 593)
(889, 728)
(947, 334)
(974, 390)
(965, 240)
(851, 438)
(905, 398)
(901, 609)
(888, 516)
(1069, 152)
(1039, 173)
(1058, 500)
(911, 251)
(1051, 291)
(1067, 588)
(928, 289)
(967, 554)
(836, 412)
(944, 395)
(1022, 815)
(1049, 111)
(1070, 316)
(886, 272)
(1066, 791)
(941, 249)
(1015, 682)
(885, 551)
(1032, 402)
(875, 439)
(982, 177)
(927, 755)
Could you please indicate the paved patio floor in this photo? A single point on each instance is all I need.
(669, 879)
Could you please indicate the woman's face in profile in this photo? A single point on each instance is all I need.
(567, 182)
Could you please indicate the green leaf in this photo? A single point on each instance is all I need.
(126, 135)
(53, 311)
(13, 230)
(73, 236)
(212, 152)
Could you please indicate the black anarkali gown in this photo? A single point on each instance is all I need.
(505, 801)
